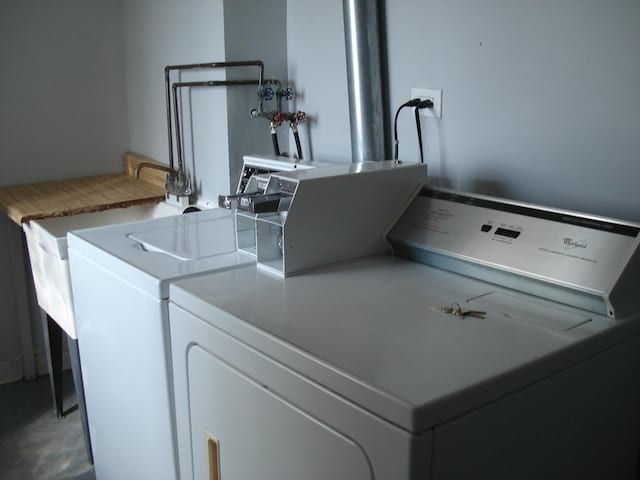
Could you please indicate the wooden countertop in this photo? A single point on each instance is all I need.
(82, 195)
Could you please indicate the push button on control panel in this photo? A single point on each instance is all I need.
(486, 227)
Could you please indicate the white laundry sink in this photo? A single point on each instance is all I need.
(47, 245)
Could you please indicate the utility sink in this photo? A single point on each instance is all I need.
(47, 245)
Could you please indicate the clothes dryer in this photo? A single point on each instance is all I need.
(356, 372)
(514, 352)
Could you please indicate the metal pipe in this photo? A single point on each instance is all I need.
(364, 75)
(205, 83)
(194, 66)
(178, 135)
(215, 83)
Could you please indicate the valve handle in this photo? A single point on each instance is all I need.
(300, 116)
(278, 118)
(289, 93)
(267, 93)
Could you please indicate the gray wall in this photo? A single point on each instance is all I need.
(217, 126)
(165, 32)
(317, 66)
(62, 108)
(540, 98)
(83, 81)
(62, 111)
(253, 31)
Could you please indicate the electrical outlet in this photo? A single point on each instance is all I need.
(433, 94)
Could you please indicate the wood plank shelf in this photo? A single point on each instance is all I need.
(83, 195)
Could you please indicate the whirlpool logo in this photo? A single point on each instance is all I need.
(570, 243)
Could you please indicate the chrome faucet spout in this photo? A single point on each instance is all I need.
(171, 171)
(177, 184)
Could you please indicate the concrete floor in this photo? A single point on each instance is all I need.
(34, 444)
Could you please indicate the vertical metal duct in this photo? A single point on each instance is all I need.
(364, 75)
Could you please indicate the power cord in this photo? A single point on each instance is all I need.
(416, 112)
(418, 104)
(422, 104)
(411, 103)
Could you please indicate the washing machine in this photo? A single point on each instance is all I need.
(120, 277)
(505, 344)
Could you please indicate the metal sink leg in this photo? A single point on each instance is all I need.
(53, 346)
(53, 335)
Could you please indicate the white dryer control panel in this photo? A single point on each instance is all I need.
(583, 260)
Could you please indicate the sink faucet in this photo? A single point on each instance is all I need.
(171, 171)
(177, 184)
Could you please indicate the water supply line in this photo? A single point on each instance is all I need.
(277, 117)
(273, 128)
(268, 93)
(294, 119)
(297, 120)
(364, 75)
(179, 185)
(181, 182)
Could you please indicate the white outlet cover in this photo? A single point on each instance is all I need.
(435, 95)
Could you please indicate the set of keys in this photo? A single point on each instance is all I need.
(456, 310)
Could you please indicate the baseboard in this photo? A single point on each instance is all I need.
(11, 370)
(41, 363)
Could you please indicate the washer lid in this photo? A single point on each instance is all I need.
(152, 253)
(371, 332)
(190, 242)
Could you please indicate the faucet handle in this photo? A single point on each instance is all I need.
(289, 93)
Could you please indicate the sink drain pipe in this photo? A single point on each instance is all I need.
(364, 75)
